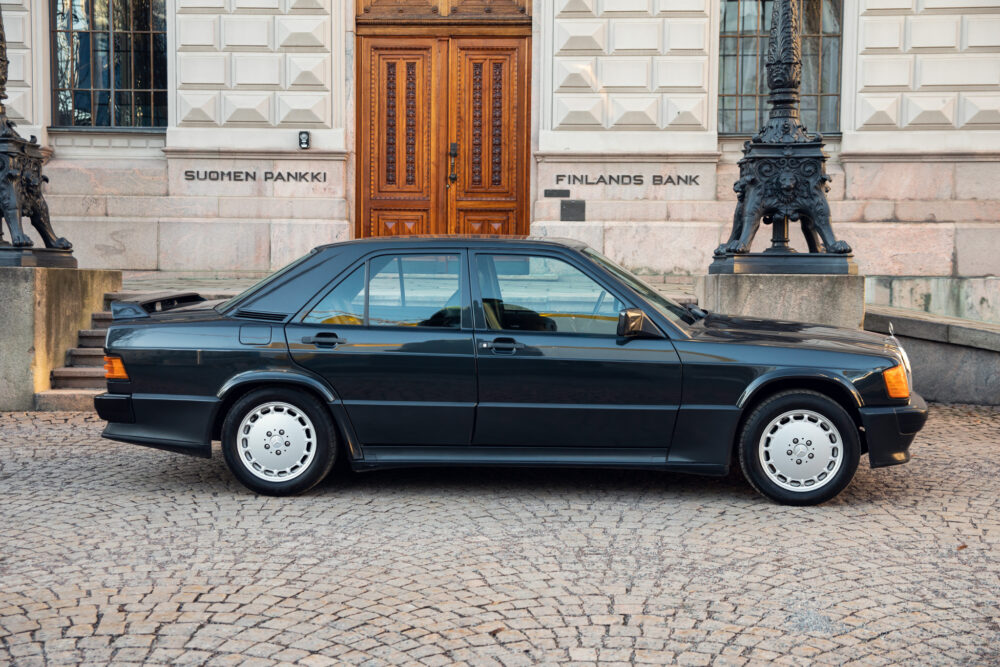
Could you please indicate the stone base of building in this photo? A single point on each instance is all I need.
(41, 312)
(837, 300)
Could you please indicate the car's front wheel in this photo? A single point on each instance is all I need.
(279, 441)
(799, 447)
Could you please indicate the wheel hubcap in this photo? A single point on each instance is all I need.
(276, 441)
(801, 450)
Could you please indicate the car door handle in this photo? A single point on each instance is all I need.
(504, 345)
(324, 339)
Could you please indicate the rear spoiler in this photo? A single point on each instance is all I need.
(153, 303)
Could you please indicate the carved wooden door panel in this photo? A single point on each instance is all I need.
(403, 124)
(489, 123)
(418, 98)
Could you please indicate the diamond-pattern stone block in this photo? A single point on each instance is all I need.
(575, 74)
(623, 73)
(932, 32)
(687, 34)
(581, 36)
(18, 104)
(197, 31)
(882, 33)
(308, 70)
(246, 32)
(301, 31)
(934, 110)
(685, 111)
(579, 111)
(685, 72)
(197, 107)
(257, 69)
(980, 109)
(878, 111)
(635, 112)
(246, 107)
(300, 108)
(629, 36)
(575, 7)
(197, 69)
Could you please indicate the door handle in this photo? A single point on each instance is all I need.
(452, 153)
(504, 345)
(324, 339)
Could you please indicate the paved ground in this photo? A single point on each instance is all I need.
(110, 552)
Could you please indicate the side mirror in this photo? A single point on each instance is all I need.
(633, 323)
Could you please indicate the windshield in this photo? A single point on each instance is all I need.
(669, 308)
(230, 303)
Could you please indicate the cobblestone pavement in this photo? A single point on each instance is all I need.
(115, 553)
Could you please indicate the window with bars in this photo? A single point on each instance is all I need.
(743, 52)
(109, 63)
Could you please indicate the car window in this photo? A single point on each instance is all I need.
(538, 293)
(415, 291)
(345, 304)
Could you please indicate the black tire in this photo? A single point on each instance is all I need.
(323, 441)
(750, 443)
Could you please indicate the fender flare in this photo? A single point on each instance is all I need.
(278, 377)
(761, 382)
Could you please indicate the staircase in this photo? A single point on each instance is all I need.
(75, 384)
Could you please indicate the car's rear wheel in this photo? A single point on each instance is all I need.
(279, 441)
(799, 447)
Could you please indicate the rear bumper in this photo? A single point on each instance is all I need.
(890, 430)
(175, 423)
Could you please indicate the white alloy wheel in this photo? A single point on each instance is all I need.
(276, 441)
(800, 450)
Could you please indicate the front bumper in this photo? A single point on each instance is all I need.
(175, 423)
(890, 430)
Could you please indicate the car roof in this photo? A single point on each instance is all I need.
(452, 240)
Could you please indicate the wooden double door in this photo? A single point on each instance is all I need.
(442, 134)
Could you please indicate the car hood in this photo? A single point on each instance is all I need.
(758, 331)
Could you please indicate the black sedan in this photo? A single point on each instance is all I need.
(513, 352)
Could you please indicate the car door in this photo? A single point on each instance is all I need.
(552, 371)
(394, 339)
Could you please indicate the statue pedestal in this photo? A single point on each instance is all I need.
(837, 300)
(41, 313)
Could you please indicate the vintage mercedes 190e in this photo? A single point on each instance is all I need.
(496, 351)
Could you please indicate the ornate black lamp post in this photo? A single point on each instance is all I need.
(21, 192)
(783, 175)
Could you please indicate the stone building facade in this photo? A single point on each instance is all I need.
(623, 117)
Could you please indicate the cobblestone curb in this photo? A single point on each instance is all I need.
(115, 553)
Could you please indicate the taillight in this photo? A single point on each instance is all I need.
(114, 369)
(895, 382)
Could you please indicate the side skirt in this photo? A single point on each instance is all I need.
(384, 457)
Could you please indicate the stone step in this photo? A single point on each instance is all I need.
(76, 400)
(83, 377)
(92, 337)
(101, 320)
(86, 356)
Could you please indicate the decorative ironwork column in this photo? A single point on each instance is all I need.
(783, 174)
(21, 192)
